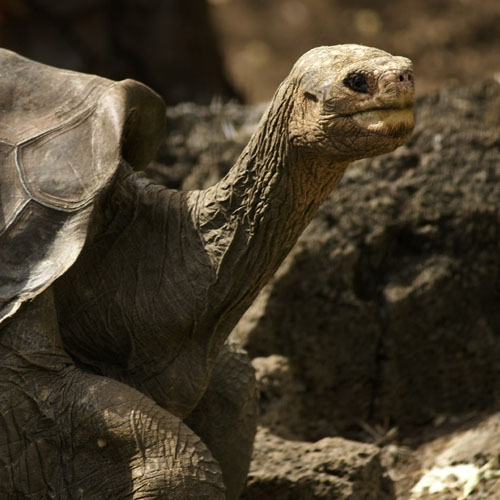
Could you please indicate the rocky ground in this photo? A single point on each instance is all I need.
(377, 343)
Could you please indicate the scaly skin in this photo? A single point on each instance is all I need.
(165, 275)
(67, 434)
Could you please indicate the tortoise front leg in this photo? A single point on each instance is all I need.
(67, 434)
(226, 416)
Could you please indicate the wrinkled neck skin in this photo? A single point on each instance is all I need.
(155, 294)
(250, 220)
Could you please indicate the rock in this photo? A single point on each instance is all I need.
(464, 459)
(333, 469)
(202, 143)
(477, 444)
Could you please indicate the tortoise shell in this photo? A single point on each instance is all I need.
(63, 136)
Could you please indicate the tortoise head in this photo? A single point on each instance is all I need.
(350, 102)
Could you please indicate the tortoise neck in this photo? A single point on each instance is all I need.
(251, 219)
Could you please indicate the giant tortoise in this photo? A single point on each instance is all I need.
(117, 295)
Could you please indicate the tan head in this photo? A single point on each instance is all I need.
(350, 102)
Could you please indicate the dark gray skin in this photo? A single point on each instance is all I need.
(118, 375)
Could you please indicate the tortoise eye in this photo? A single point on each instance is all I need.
(310, 97)
(358, 83)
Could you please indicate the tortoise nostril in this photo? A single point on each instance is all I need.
(405, 77)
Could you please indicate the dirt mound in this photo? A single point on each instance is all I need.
(330, 469)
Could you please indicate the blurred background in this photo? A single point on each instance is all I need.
(196, 49)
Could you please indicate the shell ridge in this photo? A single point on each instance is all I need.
(59, 203)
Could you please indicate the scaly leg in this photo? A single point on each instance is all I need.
(68, 434)
(226, 417)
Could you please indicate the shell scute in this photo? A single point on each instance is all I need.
(54, 177)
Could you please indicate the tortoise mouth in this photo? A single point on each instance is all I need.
(393, 122)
